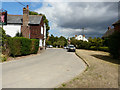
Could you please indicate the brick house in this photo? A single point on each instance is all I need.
(31, 26)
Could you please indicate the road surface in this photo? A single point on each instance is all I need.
(45, 70)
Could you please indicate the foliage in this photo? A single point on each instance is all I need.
(114, 44)
(3, 58)
(19, 34)
(97, 42)
(57, 41)
(35, 46)
(48, 42)
(33, 13)
(106, 49)
(23, 46)
(26, 45)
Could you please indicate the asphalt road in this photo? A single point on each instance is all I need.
(46, 70)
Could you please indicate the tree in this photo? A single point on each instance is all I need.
(33, 13)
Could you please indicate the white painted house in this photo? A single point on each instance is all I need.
(31, 26)
(81, 37)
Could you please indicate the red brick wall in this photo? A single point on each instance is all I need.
(25, 31)
(35, 31)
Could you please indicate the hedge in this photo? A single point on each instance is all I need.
(114, 45)
(35, 46)
(23, 46)
(106, 49)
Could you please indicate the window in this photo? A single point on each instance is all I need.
(41, 30)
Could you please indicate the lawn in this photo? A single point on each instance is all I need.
(102, 71)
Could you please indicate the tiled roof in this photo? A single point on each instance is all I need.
(118, 22)
(17, 19)
(109, 32)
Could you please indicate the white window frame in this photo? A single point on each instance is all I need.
(41, 30)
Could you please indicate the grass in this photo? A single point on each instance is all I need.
(102, 73)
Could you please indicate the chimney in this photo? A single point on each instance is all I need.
(26, 16)
(83, 35)
(75, 35)
(109, 28)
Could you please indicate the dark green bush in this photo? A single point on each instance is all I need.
(114, 44)
(93, 48)
(15, 46)
(35, 46)
(25, 46)
(106, 49)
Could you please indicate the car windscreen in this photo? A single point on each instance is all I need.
(71, 46)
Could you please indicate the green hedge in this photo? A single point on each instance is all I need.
(106, 49)
(35, 46)
(114, 45)
(23, 46)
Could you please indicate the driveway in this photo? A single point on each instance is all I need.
(45, 70)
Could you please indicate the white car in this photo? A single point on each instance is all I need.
(49, 46)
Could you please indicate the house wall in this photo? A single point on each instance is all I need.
(35, 32)
(25, 31)
(12, 29)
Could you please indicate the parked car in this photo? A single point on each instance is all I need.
(65, 47)
(71, 48)
(49, 46)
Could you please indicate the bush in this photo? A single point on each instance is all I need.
(114, 44)
(15, 46)
(106, 49)
(93, 48)
(3, 58)
(25, 46)
(35, 46)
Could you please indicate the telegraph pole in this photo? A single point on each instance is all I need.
(83, 31)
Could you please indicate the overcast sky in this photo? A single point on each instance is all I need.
(67, 18)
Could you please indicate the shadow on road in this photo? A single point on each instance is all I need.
(106, 58)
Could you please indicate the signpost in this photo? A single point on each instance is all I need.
(3, 18)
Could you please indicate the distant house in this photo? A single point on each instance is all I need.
(81, 37)
(111, 31)
(31, 26)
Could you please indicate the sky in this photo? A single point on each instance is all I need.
(68, 18)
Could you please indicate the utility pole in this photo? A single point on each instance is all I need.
(83, 29)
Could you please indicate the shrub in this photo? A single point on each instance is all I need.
(106, 49)
(15, 46)
(114, 44)
(3, 58)
(25, 46)
(93, 48)
(35, 46)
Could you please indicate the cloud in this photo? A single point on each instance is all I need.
(67, 18)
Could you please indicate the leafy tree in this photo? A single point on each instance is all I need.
(52, 39)
(33, 13)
